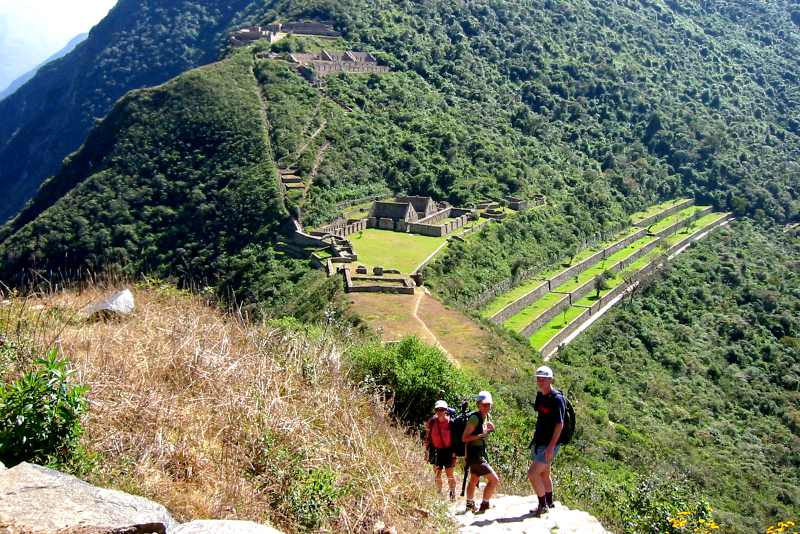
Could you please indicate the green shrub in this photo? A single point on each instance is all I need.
(313, 497)
(40, 414)
(415, 374)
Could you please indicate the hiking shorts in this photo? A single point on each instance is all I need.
(481, 469)
(537, 453)
(441, 458)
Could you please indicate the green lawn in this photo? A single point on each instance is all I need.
(675, 217)
(657, 208)
(525, 317)
(393, 250)
(549, 330)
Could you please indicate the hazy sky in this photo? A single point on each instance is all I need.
(33, 30)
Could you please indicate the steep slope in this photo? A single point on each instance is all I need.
(23, 79)
(139, 43)
(176, 181)
(662, 97)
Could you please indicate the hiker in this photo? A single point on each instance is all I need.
(440, 447)
(475, 433)
(550, 408)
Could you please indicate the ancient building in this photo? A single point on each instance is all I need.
(329, 62)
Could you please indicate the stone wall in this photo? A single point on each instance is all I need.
(677, 246)
(545, 317)
(437, 230)
(566, 274)
(644, 223)
(523, 302)
(685, 222)
(386, 224)
(624, 243)
(436, 217)
(551, 346)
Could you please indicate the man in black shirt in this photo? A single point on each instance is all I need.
(550, 408)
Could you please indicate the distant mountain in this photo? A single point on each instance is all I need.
(19, 82)
(139, 43)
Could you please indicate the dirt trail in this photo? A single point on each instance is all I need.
(418, 295)
(511, 514)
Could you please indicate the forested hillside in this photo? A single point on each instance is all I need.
(696, 381)
(602, 106)
(139, 43)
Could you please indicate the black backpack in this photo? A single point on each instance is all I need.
(569, 422)
(457, 426)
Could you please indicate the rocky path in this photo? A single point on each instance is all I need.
(511, 514)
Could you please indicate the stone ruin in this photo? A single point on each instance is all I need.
(326, 62)
(276, 31)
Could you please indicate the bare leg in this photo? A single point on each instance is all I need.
(473, 482)
(451, 479)
(548, 480)
(437, 473)
(492, 482)
(538, 478)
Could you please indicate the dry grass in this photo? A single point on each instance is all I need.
(217, 419)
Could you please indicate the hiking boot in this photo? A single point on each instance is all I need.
(539, 511)
(470, 507)
(483, 508)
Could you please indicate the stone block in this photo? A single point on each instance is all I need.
(40, 499)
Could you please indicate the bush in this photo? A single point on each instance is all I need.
(40, 414)
(416, 374)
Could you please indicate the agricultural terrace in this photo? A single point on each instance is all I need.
(615, 280)
(656, 209)
(503, 300)
(518, 322)
(542, 336)
(666, 222)
(603, 265)
(393, 250)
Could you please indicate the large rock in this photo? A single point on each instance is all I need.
(34, 498)
(120, 303)
(2, 467)
(223, 527)
(511, 514)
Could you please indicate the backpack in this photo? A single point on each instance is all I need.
(457, 426)
(569, 422)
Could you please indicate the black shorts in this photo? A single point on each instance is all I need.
(441, 457)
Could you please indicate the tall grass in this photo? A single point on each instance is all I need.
(217, 418)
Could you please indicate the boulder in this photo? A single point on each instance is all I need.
(2, 467)
(223, 527)
(120, 303)
(38, 499)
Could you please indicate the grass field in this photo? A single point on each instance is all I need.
(393, 250)
(675, 217)
(546, 333)
(655, 209)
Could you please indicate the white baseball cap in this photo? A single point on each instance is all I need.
(484, 397)
(440, 404)
(544, 372)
